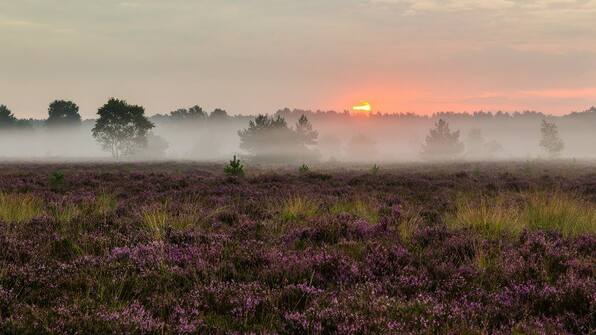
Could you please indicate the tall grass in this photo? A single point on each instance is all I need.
(19, 208)
(104, 204)
(298, 208)
(409, 222)
(560, 212)
(64, 213)
(156, 220)
(159, 218)
(510, 214)
(357, 207)
(491, 217)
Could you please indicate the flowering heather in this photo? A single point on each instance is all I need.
(185, 249)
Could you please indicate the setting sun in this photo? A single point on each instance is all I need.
(362, 107)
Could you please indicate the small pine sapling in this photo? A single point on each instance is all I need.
(234, 168)
(57, 180)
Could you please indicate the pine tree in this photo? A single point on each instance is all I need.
(442, 143)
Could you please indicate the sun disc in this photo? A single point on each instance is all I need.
(362, 107)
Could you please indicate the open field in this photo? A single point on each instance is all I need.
(472, 248)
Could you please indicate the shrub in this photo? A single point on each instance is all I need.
(234, 168)
(57, 180)
(303, 169)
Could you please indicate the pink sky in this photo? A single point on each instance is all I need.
(251, 57)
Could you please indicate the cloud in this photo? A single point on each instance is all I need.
(553, 94)
(19, 23)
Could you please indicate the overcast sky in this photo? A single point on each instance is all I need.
(251, 56)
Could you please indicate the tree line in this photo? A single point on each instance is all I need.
(123, 129)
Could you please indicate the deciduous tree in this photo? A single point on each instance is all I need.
(63, 113)
(121, 128)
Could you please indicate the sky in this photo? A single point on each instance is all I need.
(256, 56)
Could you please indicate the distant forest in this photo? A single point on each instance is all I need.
(290, 114)
(197, 134)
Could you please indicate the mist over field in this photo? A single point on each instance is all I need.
(342, 137)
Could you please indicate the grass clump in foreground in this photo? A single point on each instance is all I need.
(298, 208)
(158, 218)
(510, 214)
(560, 212)
(19, 208)
(357, 207)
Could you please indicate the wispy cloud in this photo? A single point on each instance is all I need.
(19, 23)
(416, 6)
(583, 93)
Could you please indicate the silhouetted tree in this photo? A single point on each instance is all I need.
(193, 113)
(7, 119)
(271, 139)
(218, 114)
(442, 143)
(305, 131)
(121, 128)
(63, 113)
(551, 142)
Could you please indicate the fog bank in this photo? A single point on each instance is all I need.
(341, 137)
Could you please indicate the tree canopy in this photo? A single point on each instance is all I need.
(9, 121)
(63, 113)
(219, 114)
(193, 113)
(121, 128)
(270, 138)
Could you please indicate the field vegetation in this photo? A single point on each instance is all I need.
(188, 248)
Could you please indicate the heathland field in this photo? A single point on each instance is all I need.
(183, 248)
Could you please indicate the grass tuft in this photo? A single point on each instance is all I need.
(298, 208)
(560, 212)
(510, 214)
(104, 204)
(156, 220)
(356, 207)
(64, 213)
(491, 217)
(19, 208)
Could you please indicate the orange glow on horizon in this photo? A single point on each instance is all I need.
(362, 107)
